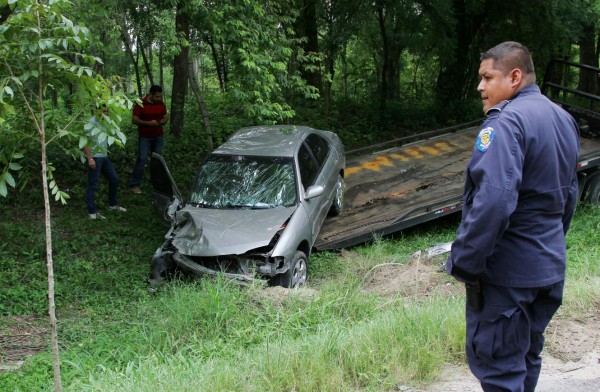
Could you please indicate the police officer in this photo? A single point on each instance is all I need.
(520, 194)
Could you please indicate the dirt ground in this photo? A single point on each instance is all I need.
(571, 355)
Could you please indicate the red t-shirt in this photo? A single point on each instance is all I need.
(150, 111)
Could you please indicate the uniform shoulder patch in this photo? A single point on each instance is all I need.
(484, 139)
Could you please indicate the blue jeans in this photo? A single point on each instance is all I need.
(145, 147)
(104, 166)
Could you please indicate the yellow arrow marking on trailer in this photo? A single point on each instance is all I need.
(412, 152)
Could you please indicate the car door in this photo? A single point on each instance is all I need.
(165, 195)
(321, 151)
(311, 175)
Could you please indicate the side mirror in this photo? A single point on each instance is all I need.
(314, 191)
(172, 208)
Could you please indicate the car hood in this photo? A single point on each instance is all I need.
(217, 232)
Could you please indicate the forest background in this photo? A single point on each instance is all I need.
(369, 71)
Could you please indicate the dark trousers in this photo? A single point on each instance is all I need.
(104, 166)
(145, 147)
(506, 337)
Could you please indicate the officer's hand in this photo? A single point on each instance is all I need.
(92, 163)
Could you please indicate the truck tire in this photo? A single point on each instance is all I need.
(296, 275)
(591, 192)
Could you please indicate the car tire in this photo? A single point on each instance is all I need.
(591, 193)
(296, 275)
(337, 205)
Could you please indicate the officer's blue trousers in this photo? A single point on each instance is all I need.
(505, 338)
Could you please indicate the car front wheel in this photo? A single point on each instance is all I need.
(296, 275)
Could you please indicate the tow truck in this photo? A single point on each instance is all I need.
(408, 181)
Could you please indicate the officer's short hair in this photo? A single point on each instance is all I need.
(510, 55)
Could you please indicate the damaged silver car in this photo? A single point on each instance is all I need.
(256, 206)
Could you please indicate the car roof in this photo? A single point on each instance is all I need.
(267, 140)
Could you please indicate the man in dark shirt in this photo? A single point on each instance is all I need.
(520, 194)
(150, 118)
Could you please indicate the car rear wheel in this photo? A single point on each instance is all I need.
(337, 206)
(296, 275)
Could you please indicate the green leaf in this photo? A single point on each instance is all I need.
(9, 91)
(9, 108)
(15, 166)
(3, 190)
(17, 155)
(18, 81)
(63, 197)
(9, 179)
(83, 141)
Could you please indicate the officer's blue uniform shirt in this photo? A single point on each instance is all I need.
(520, 194)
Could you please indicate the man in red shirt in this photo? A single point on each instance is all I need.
(150, 118)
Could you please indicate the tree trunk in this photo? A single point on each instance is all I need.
(384, 57)
(306, 26)
(180, 71)
(201, 103)
(145, 59)
(128, 48)
(587, 55)
(48, 224)
(50, 265)
(219, 63)
(161, 79)
(457, 76)
(5, 12)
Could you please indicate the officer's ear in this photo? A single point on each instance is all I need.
(516, 77)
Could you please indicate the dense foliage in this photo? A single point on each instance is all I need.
(368, 71)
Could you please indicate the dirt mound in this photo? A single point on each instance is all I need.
(572, 339)
(420, 277)
(277, 295)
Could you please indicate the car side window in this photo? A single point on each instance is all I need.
(308, 166)
(319, 147)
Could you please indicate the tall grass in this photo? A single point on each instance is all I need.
(582, 286)
(405, 344)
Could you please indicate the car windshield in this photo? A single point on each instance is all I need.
(238, 181)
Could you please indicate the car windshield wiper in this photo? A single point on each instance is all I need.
(262, 206)
(203, 205)
(251, 206)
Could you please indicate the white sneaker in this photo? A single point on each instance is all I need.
(117, 208)
(97, 216)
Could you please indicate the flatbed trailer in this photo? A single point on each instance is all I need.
(397, 187)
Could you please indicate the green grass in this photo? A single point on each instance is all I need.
(214, 335)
